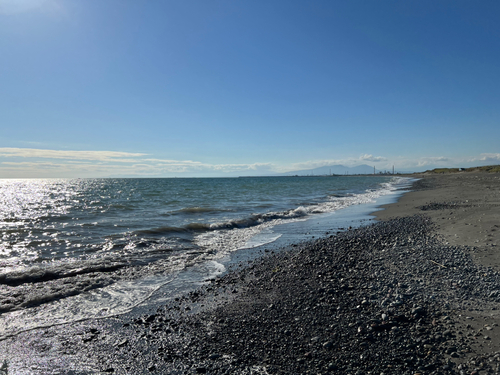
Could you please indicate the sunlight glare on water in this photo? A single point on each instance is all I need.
(25, 207)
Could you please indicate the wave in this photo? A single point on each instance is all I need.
(14, 220)
(161, 230)
(53, 217)
(43, 274)
(247, 222)
(194, 211)
(333, 203)
(196, 227)
(339, 195)
(257, 219)
(198, 210)
(98, 297)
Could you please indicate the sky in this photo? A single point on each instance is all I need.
(123, 88)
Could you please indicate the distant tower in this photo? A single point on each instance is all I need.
(373, 169)
(393, 169)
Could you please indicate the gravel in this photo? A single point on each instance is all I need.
(381, 299)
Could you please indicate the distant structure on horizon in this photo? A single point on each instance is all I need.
(385, 171)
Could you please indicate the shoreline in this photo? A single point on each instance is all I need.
(400, 296)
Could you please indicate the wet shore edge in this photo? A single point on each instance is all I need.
(417, 292)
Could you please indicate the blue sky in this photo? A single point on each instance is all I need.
(216, 88)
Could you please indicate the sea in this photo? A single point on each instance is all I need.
(77, 249)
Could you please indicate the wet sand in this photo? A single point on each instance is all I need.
(417, 292)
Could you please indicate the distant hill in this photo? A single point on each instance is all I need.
(486, 168)
(332, 169)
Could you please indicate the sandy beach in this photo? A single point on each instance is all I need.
(416, 292)
(465, 207)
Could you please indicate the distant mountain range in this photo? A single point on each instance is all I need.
(332, 169)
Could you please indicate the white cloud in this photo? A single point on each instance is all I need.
(487, 157)
(429, 162)
(175, 163)
(422, 162)
(242, 167)
(372, 158)
(58, 163)
(196, 165)
(61, 154)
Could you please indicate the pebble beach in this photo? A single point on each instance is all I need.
(417, 291)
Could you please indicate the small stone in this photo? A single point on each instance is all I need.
(417, 310)
(328, 345)
(332, 367)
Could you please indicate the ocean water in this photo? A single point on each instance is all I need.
(90, 248)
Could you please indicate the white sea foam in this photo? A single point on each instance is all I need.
(109, 301)
(263, 238)
(120, 297)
